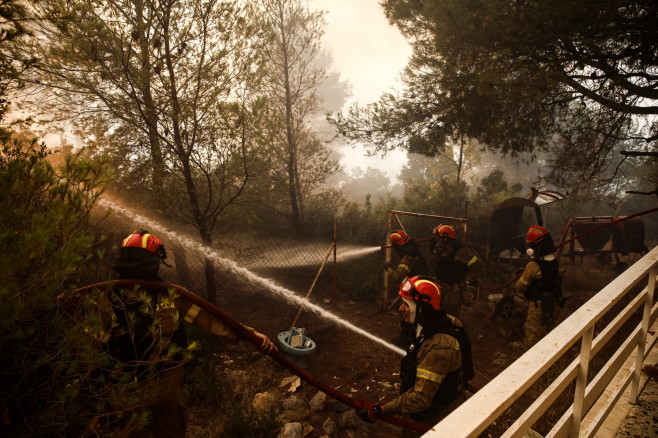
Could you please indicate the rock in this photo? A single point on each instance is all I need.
(329, 427)
(318, 401)
(293, 383)
(295, 408)
(291, 430)
(263, 402)
(293, 402)
(349, 419)
(307, 429)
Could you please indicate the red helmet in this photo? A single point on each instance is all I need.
(399, 238)
(142, 239)
(421, 289)
(445, 231)
(536, 234)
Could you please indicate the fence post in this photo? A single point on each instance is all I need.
(387, 258)
(639, 359)
(333, 298)
(581, 381)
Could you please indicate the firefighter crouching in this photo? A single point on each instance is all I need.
(142, 332)
(540, 283)
(438, 362)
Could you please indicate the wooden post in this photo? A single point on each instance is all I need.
(313, 285)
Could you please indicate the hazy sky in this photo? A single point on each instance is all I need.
(369, 53)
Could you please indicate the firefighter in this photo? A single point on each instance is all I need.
(454, 264)
(412, 263)
(540, 283)
(437, 365)
(142, 332)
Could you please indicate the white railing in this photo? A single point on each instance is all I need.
(485, 406)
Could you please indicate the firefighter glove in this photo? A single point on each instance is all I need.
(387, 266)
(371, 413)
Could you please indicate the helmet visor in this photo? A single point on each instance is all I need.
(406, 286)
(407, 289)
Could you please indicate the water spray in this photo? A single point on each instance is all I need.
(230, 265)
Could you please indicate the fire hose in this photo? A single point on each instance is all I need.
(163, 287)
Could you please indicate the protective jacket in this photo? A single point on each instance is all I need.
(540, 283)
(452, 265)
(431, 373)
(143, 329)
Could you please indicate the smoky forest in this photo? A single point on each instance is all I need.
(224, 129)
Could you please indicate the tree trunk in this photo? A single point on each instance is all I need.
(150, 114)
(211, 284)
(182, 268)
(290, 136)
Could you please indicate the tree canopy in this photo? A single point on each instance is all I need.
(575, 78)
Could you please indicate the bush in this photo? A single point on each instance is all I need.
(46, 241)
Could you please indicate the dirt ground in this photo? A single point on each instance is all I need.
(361, 368)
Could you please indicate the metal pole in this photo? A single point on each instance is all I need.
(387, 258)
(333, 298)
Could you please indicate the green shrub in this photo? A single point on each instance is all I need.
(47, 242)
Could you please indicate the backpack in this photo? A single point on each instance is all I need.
(459, 332)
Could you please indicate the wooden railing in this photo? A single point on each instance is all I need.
(635, 286)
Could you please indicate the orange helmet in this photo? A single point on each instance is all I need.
(142, 239)
(445, 231)
(399, 238)
(421, 289)
(536, 234)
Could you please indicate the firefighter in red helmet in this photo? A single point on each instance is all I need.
(540, 283)
(147, 362)
(412, 261)
(437, 365)
(454, 264)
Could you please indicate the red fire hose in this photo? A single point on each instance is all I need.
(163, 287)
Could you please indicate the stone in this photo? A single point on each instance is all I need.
(329, 427)
(291, 430)
(349, 419)
(263, 402)
(318, 401)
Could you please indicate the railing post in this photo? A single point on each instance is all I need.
(639, 359)
(581, 382)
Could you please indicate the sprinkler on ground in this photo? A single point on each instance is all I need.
(296, 346)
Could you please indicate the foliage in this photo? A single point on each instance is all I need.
(298, 162)
(168, 89)
(13, 15)
(570, 77)
(44, 230)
